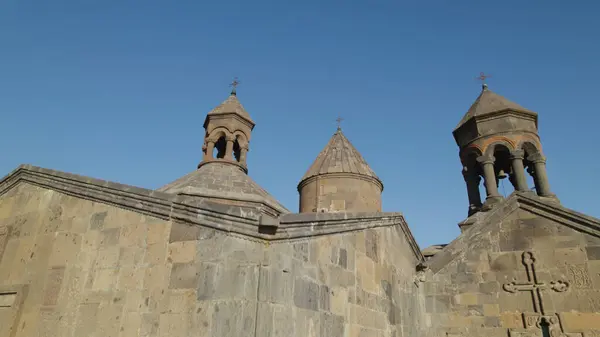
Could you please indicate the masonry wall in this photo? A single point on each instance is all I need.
(359, 284)
(472, 294)
(72, 267)
(340, 194)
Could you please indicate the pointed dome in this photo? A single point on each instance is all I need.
(490, 102)
(339, 156)
(340, 180)
(231, 105)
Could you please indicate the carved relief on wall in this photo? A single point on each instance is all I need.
(579, 276)
(537, 323)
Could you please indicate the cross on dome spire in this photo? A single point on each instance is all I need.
(339, 123)
(482, 77)
(234, 85)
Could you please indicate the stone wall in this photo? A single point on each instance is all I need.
(340, 193)
(81, 268)
(73, 267)
(481, 283)
(355, 284)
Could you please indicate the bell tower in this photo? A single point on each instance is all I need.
(228, 130)
(499, 139)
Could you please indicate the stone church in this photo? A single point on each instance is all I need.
(214, 254)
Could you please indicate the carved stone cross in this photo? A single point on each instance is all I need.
(548, 323)
(533, 285)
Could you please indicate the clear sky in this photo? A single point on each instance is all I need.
(118, 90)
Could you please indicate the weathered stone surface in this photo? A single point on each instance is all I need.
(83, 257)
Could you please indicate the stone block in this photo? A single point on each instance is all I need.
(131, 277)
(109, 237)
(66, 248)
(306, 294)
(372, 245)
(300, 250)
(97, 220)
(339, 301)
(184, 276)
(368, 318)
(593, 252)
(87, 320)
(156, 254)
(108, 257)
(157, 230)
(133, 234)
(580, 322)
(182, 251)
(276, 285)
(180, 301)
(207, 281)
(132, 323)
(229, 318)
(343, 258)
(283, 322)
(184, 232)
(331, 325)
(366, 273)
(54, 281)
(324, 298)
(490, 287)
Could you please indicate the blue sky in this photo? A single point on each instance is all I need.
(118, 90)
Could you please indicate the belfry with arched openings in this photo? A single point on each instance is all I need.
(498, 139)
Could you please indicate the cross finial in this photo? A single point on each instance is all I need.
(234, 85)
(339, 123)
(482, 77)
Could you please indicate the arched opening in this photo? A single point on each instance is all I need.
(529, 150)
(237, 150)
(503, 170)
(220, 148)
(472, 175)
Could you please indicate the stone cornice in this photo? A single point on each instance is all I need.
(250, 222)
(304, 224)
(481, 223)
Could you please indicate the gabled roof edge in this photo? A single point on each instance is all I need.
(237, 220)
(518, 200)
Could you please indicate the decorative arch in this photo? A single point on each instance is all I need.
(241, 138)
(218, 133)
(494, 144)
(470, 152)
(530, 147)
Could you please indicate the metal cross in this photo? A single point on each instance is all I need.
(534, 286)
(234, 85)
(482, 77)
(339, 123)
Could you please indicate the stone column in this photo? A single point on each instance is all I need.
(489, 176)
(210, 147)
(229, 148)
(542, 185)
(472, 180)
(519, 181)
(243, 152)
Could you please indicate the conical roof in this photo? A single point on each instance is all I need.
(489, 102)
(339, 156)
(222, 180)
(231, 105)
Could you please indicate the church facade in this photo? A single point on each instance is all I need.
(214, 254)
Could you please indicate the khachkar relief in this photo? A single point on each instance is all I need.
(539, 322)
